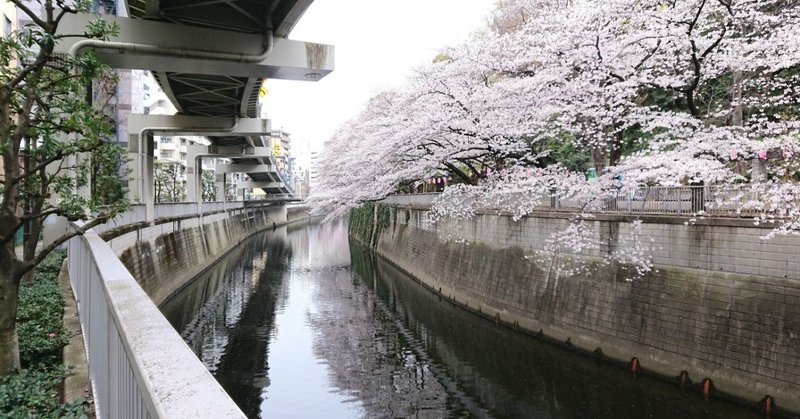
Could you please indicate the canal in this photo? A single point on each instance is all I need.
(300, 323)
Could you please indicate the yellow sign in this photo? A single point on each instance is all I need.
(263, 90)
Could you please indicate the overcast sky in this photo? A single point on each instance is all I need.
(377, 43)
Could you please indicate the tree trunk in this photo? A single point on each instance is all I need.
(598, 155)
(30, 243)
(615, 155)
(9, 291)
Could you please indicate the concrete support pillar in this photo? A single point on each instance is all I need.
(194, 192)
(141, 186)
(194, 169)
(220, 183)
(134, 164)
(148, 181)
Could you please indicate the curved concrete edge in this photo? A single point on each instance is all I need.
(76, 383)
(176, 383)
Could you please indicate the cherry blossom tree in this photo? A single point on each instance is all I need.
(656, 93)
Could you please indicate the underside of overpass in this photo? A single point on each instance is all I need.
(210, 58)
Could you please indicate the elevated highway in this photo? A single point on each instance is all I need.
(210, 58)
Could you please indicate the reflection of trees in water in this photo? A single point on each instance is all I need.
(513, 375)
(234, 311)
(320, 245)
(368, 357)
(393, 346)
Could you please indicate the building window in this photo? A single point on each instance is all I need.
(167, 154)
(183, 156)
(183, 141)
(147, 110)
(166, 140)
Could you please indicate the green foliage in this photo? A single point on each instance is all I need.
(51, 265)
(40, 315)
(209, 186)
(106, 174)
(361, 222)
(369, 220)
(45, 119)
(564, 150)
(169, 182)
(34, 393)
(384, 218)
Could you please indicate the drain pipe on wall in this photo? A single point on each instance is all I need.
(123, 47)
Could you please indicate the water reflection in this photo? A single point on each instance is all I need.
(298, 323)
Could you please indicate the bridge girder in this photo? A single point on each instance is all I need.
(289, 59)
(210, 126)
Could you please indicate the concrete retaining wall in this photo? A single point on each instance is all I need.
(722, 304)
(165, 257)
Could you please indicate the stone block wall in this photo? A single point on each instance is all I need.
(721, 303)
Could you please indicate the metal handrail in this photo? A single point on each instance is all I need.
(710, 201)
(138, 364)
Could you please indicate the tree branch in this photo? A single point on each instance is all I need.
(33, 16)
(27, 266)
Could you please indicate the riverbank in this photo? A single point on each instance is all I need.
(724, 326)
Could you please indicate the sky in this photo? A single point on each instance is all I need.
(378, 43)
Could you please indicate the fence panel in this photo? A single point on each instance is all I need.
(138, 364)
(715, 200)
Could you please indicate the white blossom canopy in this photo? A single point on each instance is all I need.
(664, 92)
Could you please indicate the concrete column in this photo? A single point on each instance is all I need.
(220, 183)
(194, 167)
(193, 181)
(148, 181)
(134, 184)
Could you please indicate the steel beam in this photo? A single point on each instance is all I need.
(289, 60)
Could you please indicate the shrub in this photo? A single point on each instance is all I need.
(40, 315)
(34, 393)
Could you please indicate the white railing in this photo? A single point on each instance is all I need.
(211, 207)
(138, 364)
(175, 209)
(136, 213)
(720, 201)
(412, 199)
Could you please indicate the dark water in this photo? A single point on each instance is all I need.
(300, 323)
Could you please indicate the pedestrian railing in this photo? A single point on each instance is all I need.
(138, 364)
(412, 199)
(714, 201)
(721, 201)
(137, 212)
